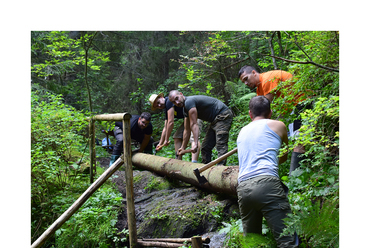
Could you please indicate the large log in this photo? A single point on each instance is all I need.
(221, 179)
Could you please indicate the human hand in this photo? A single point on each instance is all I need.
(159, 147)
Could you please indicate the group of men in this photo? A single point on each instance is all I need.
(260, 191)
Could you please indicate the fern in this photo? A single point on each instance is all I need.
(317, 225)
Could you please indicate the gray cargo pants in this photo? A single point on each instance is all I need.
(217, 134)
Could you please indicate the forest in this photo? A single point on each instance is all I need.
(78, 74)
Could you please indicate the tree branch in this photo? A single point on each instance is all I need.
(298, 46)
(303, 62)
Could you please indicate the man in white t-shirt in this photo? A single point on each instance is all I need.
(260, 191)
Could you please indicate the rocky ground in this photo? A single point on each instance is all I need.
(166, 208)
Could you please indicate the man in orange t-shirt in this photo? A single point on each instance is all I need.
(266, 83)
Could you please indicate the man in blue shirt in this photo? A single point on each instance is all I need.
(141, 131)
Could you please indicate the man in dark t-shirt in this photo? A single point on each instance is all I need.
(172, 112)
(141, 131)
(207, 109)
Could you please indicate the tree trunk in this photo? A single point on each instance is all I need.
(272, 49)
(221, 179)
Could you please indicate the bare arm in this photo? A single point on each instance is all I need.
(163, 136)
(193, 115)
(170, 124)
(284, 158)
(185, 136)
(280, 128)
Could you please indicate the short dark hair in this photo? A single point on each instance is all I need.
(146, 116)
(259, 106)
(247, 69)
(173, 93)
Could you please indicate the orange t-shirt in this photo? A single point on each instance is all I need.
(269, 80)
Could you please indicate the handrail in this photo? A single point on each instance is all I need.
(125, 158)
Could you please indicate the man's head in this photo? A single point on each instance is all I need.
(249, 76)
(144, 120)
(259, 106)
(177, 98)
(157, 101)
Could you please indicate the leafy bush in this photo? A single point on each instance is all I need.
(317, 224)
(56, 144)
(314, 187)
(94, 224)
(55, 141)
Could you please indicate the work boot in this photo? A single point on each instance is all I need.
(294, 163)
(113, 159)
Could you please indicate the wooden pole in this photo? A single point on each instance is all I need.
(92, 148)
(158, 244)
(196, 242)
(206, 240)
(77, 204)
(109, 117)
(129, 180)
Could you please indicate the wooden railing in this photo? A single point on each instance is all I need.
(124, 159)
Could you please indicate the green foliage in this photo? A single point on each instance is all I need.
(317, 224)
(55, 138)
(157, 183)
(236, 238)
(58, 64)
(64, 53)
(94, 224)
(56, 181)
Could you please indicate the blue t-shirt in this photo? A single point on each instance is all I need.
(258, 150)
(178, 112)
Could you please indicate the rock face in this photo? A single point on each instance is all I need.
(169, 208)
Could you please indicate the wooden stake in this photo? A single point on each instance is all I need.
(92, 148)
(129, 180)
(196, 242)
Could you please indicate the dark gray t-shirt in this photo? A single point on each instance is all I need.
(207, 107)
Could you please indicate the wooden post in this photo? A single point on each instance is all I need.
(92, 148)
(196, 242)
(131, 219)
